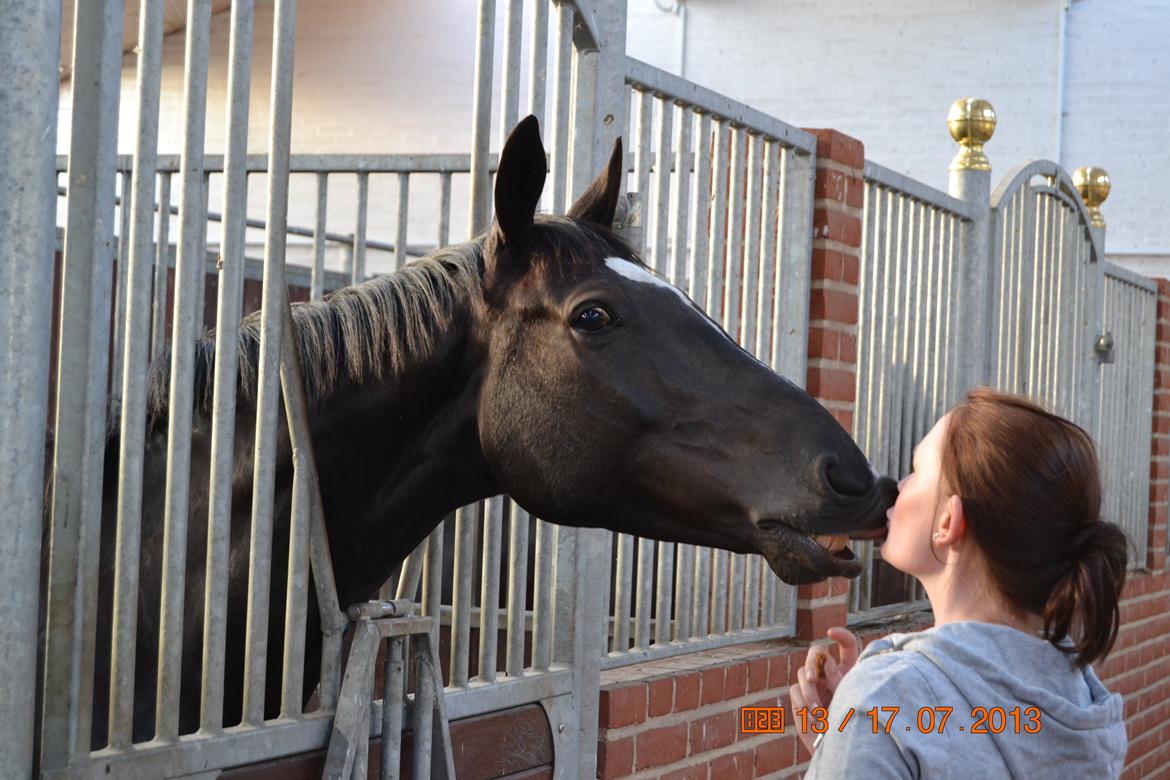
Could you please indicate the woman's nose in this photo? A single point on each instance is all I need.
(902, 483)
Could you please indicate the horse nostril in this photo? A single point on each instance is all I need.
(841, 481)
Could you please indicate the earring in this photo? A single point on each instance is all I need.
(935, 536)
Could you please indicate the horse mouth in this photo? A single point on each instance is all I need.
(801, 557)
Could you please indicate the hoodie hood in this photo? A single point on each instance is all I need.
(991, 665)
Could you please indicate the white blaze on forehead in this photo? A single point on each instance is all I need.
(637, 273)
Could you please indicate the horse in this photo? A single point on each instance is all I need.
(543, 360)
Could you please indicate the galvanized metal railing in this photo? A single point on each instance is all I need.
(722, 209)
(1046, 291)
(1129, 328)
(907, 340)
(1009, 289)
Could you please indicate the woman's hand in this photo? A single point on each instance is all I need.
(819, 676)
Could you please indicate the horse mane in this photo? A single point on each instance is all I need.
(355, 335)
(379, 328)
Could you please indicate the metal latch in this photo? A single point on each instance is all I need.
(1104, 347)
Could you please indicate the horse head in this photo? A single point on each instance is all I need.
(610, 399)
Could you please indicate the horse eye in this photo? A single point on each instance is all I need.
(592, 319)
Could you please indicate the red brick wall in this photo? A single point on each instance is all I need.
(679, 717)
(1139, 666)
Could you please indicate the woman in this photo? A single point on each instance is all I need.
(999, 521)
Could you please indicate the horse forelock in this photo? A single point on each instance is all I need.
(574, 247)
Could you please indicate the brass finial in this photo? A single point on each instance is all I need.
(972, 123)
(1093, 184)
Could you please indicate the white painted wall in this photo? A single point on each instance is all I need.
(396, 76)
(887, 73)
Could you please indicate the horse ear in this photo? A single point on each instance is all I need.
(520, 180)
(599, 202)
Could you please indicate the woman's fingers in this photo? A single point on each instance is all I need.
(800, 696)
(848, 644)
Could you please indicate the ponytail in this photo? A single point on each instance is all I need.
(1088, 591)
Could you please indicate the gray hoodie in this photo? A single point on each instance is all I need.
(1077, 732)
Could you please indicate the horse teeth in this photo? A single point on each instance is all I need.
(832, 544)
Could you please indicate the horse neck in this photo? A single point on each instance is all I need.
(395, 457)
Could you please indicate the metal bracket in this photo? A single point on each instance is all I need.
(375, 622)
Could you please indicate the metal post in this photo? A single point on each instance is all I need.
(479, 211)
(29, 34)
(273, 304)
(81, 381)
(972, 123)
(136, 299)
(187, 313)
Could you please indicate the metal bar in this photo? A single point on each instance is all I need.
(892, 180)
(769, 233)
(623, 593)
(424, 703)
(517, 588)
(479, 210)
(349, 739)
(719, 592)
(158, 323)
(489, 591)
(749, 306)
(680, 212)
(317, 285)
(321, 163)
(684, 593)
(411, 574)
(538, 55)
(701, 602)
(718, 242)
(185, 321)
(732, 322)
(444, 233)
(663, 592)
(659, 81)
(121, 262)
(792, 295)
(510, 86)
(645, 592)
(466, 520)
(642, 133)
(403, 220)
(29, 50)
(662, 162)
(231, 290)
(393, 680)
(136, 298)
(738, 577)
(701, 212)
(582, 127)
(307, 520)
(81, 398)
(273, 305)
(432, 580)
(358, 268)
(543, 619)
(561, 105)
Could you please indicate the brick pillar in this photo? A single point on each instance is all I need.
(1160, 452)
(832, 338)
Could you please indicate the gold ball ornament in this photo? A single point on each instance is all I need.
(971, 122)
(1093, 185)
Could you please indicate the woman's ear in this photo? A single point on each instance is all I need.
(953, 525)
